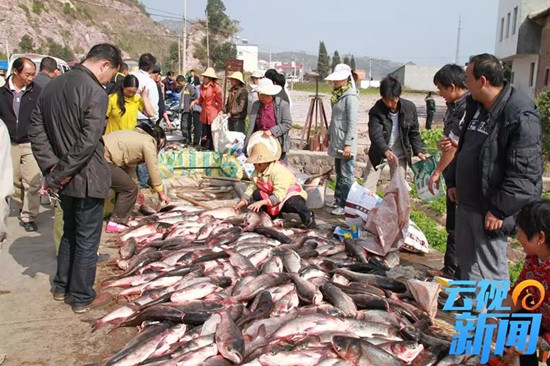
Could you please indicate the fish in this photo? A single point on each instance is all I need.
(406, 351)
(128, 249)
(260, 308)
(339, 299)
(229, 340)
(272, 233)
(361, 352)
(307, 292)
(260, 283)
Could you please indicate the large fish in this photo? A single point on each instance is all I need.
(362, 353)
(229, 340)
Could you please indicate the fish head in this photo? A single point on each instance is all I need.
(230, 353)
(407, 350)
(347, 347)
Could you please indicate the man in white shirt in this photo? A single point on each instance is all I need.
(146, 63)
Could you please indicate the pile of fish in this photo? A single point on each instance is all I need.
(216, 288)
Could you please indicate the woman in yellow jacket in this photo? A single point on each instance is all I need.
(275, 188)
(124, 150)
(124, 105)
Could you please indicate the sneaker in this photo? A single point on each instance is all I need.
(60, 296)
(101, 300)
(332, 204)
(310, 224)
(339, 211)
(114, 227)
(29, 226)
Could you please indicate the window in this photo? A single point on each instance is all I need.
(546, 77)
(508, 25)
(515, 21)
(501, 28)
(532, 74)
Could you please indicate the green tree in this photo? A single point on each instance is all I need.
(346, 60)
(221, 29)
(25, 44)
(543, 102)
(323, 61)
(173, 56)
(335, 59)
(57, 50)
(352, 62)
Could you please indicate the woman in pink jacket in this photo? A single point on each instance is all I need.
(211, 103)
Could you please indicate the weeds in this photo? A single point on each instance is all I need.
(437, 238)
(515, 270)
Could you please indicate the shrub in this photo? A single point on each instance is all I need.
(515, 270)
(37, 7)
(430, 138)
(543, 102)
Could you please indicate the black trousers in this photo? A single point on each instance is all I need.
(236, 125)
(450, 262)
(187, 127)
(77, 257)
(197, 128)
(429, 120)
(207, 142)
(295, 204)
(126, 193)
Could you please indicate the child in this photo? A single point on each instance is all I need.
(276, 188)
(534, 235)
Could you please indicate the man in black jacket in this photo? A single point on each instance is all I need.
(17, 100)
(497, 169)
(65, 133)
(393, 132)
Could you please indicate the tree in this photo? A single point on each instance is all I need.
(346, 60)
(335, 59)
(221, 30)
(25, 44)
(57, 50)
(173, 56)
(323, 61)
(352, 62)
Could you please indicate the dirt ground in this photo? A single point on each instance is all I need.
(36, 330)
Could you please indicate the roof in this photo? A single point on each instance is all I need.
(540, 16)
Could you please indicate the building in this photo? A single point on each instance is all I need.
(518, 41)
(248, 53)
(415, 77)
(542, 18)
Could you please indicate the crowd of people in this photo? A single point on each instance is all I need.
(78, 135)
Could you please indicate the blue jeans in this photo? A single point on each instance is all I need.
(344, 179)
(77, 257)
(142, 175)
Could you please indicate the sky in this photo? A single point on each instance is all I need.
(420, 31)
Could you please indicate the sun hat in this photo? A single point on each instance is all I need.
(259, 137)
(237, 75)
(266, 86)
(261, 154)
(210, 73)
(341, 72)
(257, 74)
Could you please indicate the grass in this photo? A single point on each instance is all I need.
(515, 270)
(326, 87)
(437, 238)
(546, 195)
(297, 126)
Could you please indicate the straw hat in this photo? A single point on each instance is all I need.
(261, 154)
(341, 72)
(210, 73)
(237, 75)
(266, 86)
(271, 142)
(257, 74)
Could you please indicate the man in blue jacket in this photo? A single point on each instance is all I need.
(497, 169)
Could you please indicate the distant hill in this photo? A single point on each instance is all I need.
(380, 68)
(76, 25)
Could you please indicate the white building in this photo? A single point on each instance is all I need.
(416, 77)
(518, 40)
(249, 54)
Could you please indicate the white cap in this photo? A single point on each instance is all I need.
(341, 72)
(257, 74)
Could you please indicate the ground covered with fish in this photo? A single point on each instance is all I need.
(211, 288)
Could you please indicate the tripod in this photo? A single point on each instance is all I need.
(316, 111)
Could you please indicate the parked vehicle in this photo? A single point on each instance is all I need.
(36, 58)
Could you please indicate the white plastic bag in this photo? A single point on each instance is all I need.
(223, 138)
(423, 170)
(415, 240)
(358, 204)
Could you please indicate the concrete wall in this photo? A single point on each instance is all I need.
(249, 55)
(521, 69)
(507, 46)
(415, 77)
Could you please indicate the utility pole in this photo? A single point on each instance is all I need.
(179, 53)
(207, 41)
(184, 70)
(457, 56)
